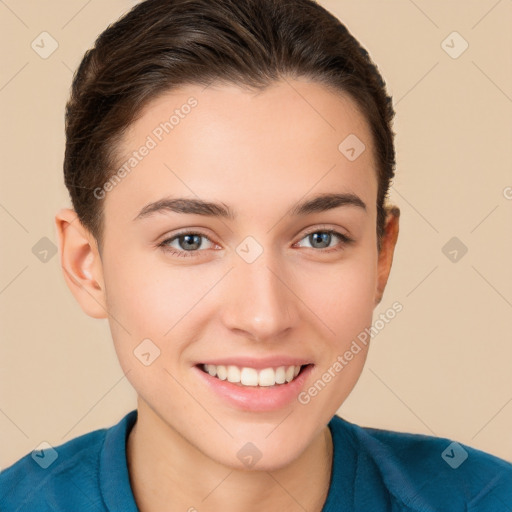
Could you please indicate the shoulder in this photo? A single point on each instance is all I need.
(425, 472)
(54, 470)
(55, 478)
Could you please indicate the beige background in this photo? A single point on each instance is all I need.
(442, 366)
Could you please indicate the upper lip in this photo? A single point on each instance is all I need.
(258, 363)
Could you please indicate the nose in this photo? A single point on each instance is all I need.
(259, 300)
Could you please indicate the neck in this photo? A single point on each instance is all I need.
(168, 473)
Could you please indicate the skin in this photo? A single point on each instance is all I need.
(259, 154)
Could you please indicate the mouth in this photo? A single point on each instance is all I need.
(252, 377)
(255, 384)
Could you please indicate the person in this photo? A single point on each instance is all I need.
(229, 164)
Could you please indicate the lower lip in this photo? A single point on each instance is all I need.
(256, 398)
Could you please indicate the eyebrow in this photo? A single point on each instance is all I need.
(319, 203)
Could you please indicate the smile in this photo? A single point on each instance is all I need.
(246, 376)
(255, 384)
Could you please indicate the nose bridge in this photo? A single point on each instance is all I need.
(260, 303)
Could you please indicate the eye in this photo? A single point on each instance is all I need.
(321, 239)
(186, 243)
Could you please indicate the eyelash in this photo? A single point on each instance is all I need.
(345, 240)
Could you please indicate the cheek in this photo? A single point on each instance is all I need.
(148, 297)
(148, 306)
(345, 299)
(342, 295)
(141, 305)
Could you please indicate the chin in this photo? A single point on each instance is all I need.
(260, 452)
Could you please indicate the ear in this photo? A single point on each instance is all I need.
(81, 263)
(387, 250)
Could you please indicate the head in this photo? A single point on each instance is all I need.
(271, 125)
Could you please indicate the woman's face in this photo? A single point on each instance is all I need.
(253, 284)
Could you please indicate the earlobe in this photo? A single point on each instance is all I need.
(81, 263)
(385, 260)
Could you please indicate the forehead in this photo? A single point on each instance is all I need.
(246, 148)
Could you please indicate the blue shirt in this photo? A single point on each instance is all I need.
(373, 471)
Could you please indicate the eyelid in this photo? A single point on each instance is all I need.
(187, 231)
(326, 228)
(345, 240)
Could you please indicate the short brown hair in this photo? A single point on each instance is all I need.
(160, 45)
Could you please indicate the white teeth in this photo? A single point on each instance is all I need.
(267, 377)
(281, 375)
(249, 377)
(252, 377)
(233, 374)
(222, 372)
